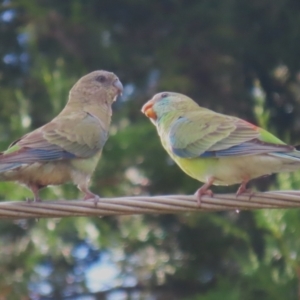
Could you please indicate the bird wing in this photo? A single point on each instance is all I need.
(79, 135)
(210, 134)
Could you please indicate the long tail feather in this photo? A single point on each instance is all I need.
(7, 167)
(294, 155)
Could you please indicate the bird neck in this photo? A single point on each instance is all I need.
(164, 122)
(93, 105)
(167, 118)
(103, 111)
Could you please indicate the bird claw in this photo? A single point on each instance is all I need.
(28, 200)
(200, 192)
(243, 190)
(92, 197)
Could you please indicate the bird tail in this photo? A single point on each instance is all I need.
(290, 160)
(5, 170)
(294, 155)
(8, 167)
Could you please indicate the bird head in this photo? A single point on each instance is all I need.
(97, 86)
(166, 102)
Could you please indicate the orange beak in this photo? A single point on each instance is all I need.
(147, 109)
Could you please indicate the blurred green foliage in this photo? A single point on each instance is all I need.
(233, 56)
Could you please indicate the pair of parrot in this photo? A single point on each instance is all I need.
(208, 146)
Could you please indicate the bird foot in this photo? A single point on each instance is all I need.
(92, 197)
(200, 192)
(244, 190)
(35, 190)
(28, 200)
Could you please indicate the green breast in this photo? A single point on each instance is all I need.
(198, 168)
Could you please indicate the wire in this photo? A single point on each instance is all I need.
(148, 205)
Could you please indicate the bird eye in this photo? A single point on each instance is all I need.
(101, 78)
(164, 95)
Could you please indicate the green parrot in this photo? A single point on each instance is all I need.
(215, 148)
(68, 148)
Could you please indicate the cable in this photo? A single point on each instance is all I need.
(148, 205)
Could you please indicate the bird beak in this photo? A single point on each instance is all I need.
(147, 109)
(119, 86)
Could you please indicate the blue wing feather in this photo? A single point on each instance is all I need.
(248, 148)
(32, 155)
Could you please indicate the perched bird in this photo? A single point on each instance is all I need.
(67, 148)
(215, 148)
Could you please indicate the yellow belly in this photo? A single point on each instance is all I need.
(232, 170)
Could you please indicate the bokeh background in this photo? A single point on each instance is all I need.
(234, 56)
